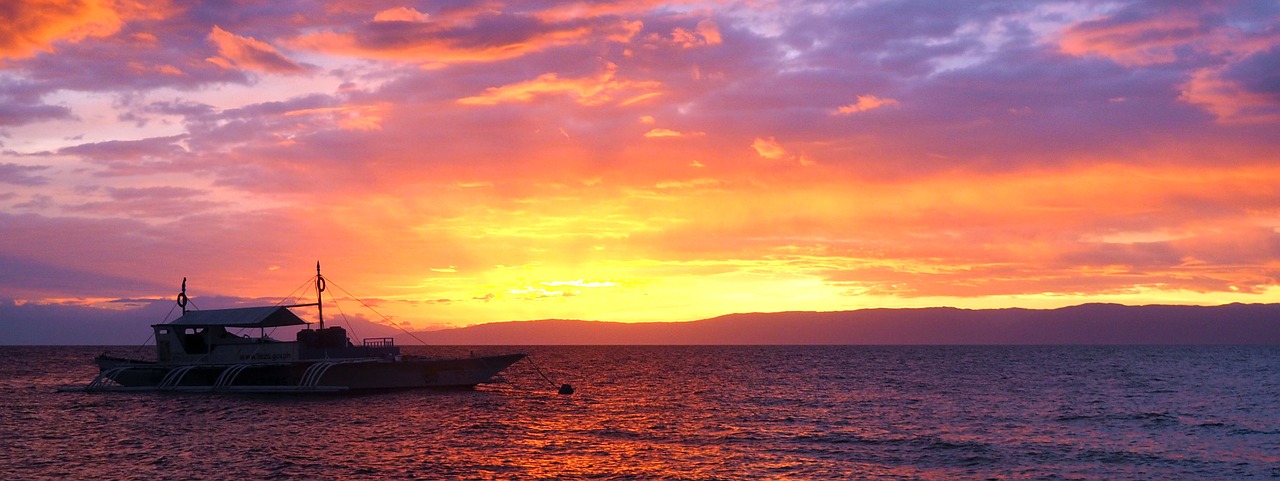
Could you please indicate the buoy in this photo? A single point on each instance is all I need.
(566, 389)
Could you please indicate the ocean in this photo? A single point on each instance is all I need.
(684, 412)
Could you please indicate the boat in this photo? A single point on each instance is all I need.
(197, 353)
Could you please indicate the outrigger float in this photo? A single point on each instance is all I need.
(196, 353)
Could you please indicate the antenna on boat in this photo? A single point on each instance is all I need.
(182, 296)
(319, 298)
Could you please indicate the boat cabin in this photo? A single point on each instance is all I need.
(202, 337)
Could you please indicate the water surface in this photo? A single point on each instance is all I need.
(685, 413)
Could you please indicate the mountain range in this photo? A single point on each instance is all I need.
(1082, 324)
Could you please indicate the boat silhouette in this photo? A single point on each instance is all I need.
(197, 353)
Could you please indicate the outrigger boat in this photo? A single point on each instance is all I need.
(195, 352)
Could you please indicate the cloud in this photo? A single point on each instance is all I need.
(20, 104)
(1130, 41)
(771, 149)
(479, 35)
(401, 14)
(131, 157)
(235, 51)
(347, 117)
(145, 203)
(1231, 61)
(707, 33)
(667, 133)
(11, 114)
(1229, 101)
(865, 103)
(580, 283)
(33, 26)
(17, 174)
(1244, 92)
(597, 90)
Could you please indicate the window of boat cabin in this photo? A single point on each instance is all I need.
(193, 340)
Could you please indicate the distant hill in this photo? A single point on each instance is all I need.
(1082, 324)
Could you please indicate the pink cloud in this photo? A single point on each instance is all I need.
(1228, 100)
(1134, 43)
(1165, 36)
(707, 33)
(235, 51)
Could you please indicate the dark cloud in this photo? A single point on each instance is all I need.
(1259, 74)
(132, 157)
(19, 114)
(28, 274)
(20, 103)
(476, 34)
(146, 203)
(22, 174)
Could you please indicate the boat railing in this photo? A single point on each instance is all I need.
(380, 342)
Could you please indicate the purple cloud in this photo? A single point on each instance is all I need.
(22, 174)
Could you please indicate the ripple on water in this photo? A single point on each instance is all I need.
(687, 413)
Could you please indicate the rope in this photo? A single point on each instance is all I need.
(143, 345)
(295, 291)
(553, 384)
(561, 388)
(375, 311)
(539, 371)
(344, 317)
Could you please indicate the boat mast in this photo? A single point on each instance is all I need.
(182, 296)
(319, 297)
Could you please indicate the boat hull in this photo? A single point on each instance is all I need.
(309, 375)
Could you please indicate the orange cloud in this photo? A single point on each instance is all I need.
(1096, 231)
(769, 148)
(406, 35)
(31, 26)
(400, 14)
(865, 103)
(236, 51)
(660, 133)
(585, 90)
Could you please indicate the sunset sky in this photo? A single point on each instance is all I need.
(453, 163)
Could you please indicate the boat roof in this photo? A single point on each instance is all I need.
(262, 317)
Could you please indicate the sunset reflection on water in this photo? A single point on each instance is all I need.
(689, 413)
